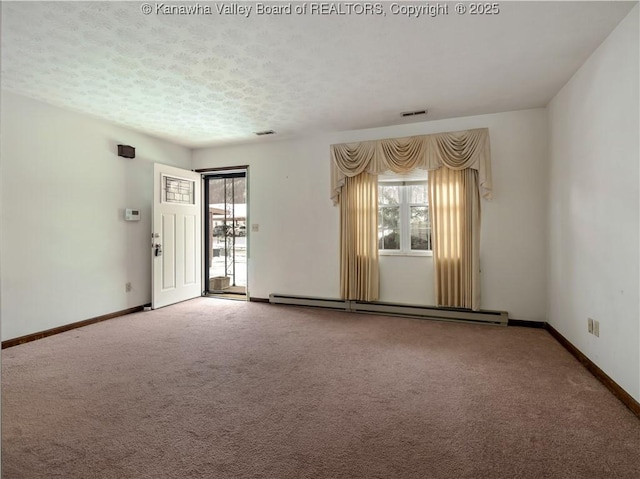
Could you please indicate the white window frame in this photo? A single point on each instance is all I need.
(405, 219)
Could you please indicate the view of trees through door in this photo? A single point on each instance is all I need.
(226, 233)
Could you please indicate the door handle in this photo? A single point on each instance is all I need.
(157, 249)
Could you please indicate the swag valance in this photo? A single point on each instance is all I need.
(455, 150)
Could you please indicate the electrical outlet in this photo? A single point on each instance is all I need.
(590, 325)
(596, 328)
(127, 287)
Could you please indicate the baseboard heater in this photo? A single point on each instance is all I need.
(394, 309)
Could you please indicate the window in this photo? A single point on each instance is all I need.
(403, 214)
(177, 190)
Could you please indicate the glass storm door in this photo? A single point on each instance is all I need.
(226, 233)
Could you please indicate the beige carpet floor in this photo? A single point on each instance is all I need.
(227, 389)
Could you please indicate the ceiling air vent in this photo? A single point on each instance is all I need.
(265, 132)
(413, 113)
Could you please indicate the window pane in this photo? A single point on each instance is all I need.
(388, 195)
(420, 228)
(388, 227)
(177, 190)
(418, 193)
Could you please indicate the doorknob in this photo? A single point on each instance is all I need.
(158, 249)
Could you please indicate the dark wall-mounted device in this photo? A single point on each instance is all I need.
(126, 151)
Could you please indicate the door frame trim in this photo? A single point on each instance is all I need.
(221, 169)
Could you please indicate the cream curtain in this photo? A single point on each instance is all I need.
(454, 209)
(460, 165)
(359, 238)
(456, 150)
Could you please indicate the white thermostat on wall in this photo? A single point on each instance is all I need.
(131, 215)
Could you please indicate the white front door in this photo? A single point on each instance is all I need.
(176, 247)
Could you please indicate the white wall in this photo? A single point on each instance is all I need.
(296, 250)
(594, 207)
(66, 250)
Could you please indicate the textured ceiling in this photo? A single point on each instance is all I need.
(217, 78)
